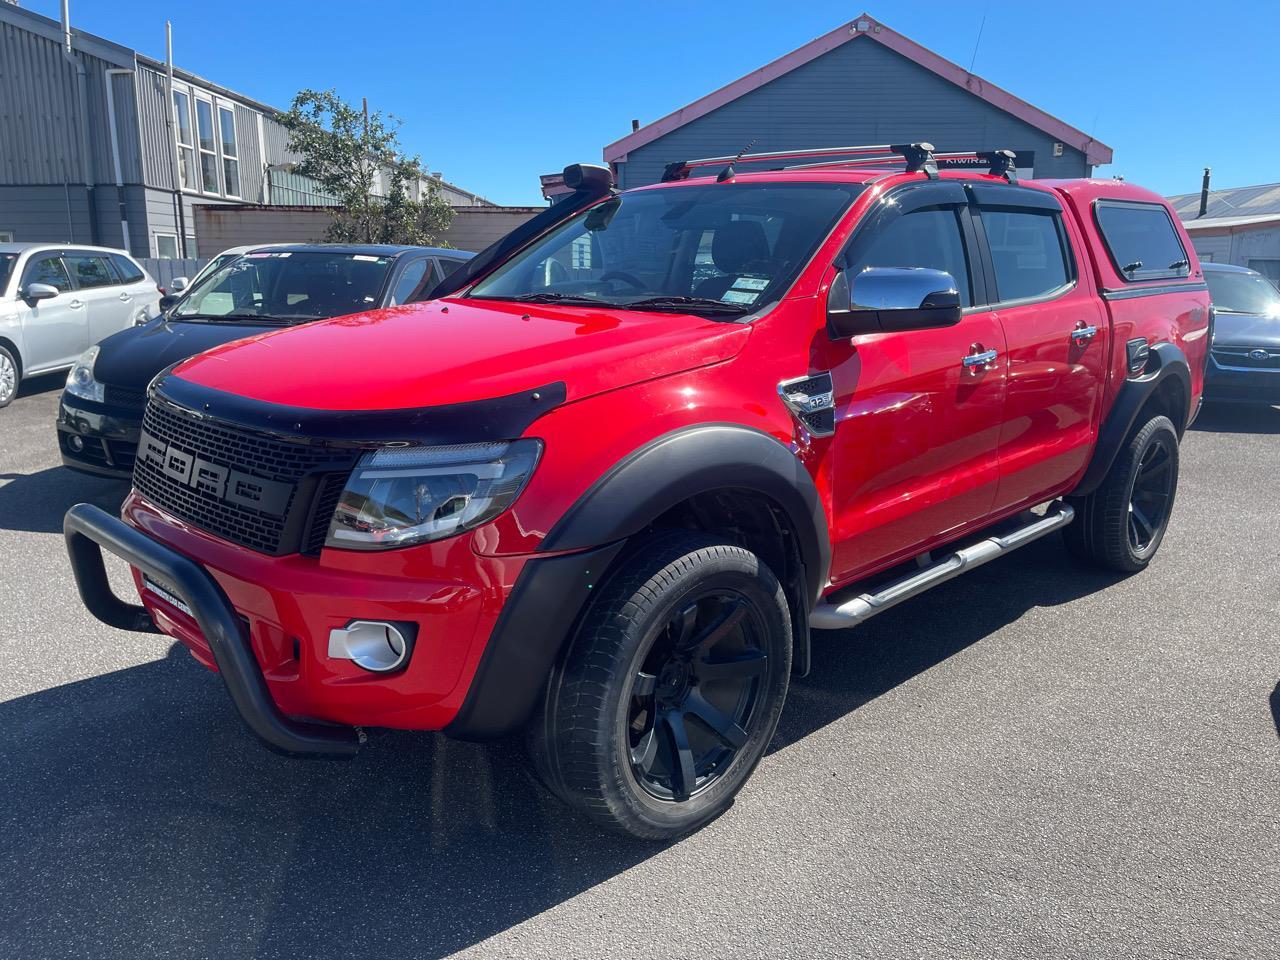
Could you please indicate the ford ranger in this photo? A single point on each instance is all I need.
(603, 490)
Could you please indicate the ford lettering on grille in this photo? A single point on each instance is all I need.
(214, 479)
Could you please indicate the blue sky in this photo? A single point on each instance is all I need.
(497, 91)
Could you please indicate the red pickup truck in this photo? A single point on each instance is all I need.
(603, 490)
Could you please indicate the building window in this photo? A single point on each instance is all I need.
(167, 246)
(186, 155)
(208, 144)
(6, 236)
(230, 155)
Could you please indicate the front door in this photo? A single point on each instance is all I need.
(55, 331)
(1056, 336)
(917, 427)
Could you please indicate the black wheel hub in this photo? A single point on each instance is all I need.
(1151, 496)
(695, 700)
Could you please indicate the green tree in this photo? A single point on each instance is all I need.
(356, 157)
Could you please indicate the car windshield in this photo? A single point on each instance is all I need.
(287, 286)
(1243, 293)
(7, 260)
(721, 250)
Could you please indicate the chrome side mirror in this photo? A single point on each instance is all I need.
(890, 299)
(178, 284)
(39, 291)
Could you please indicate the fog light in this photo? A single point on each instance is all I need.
(75, 443)
(373, 645)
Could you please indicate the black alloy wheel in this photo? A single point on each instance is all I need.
(671, 688)
(1152, 494)
(696, 697)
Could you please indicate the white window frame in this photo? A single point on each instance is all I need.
(156, 245)
(201, 151)
(219, 108)
(6, 236)
(194, 186)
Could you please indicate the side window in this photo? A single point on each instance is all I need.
(128, 270)
(411, 283)
(448, 266)
(1027, 252)
(90, 271)
(1141, 240)
(47, 269)
(929, 237)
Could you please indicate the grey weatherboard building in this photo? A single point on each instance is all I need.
(87, 154)
(862, 83)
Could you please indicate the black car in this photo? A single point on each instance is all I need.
(1244, 359)
(100, 414)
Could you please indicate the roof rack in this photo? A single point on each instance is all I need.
(919, 158)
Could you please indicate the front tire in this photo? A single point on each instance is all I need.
(1121, 525)
(671, 690)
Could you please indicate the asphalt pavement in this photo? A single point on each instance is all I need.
(1034, 760)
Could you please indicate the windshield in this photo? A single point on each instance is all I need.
(7, 260)
(287, 286)
(723, 248)
(1243, 293)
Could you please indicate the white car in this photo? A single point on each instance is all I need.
(57, 300)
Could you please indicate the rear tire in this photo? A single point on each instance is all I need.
(10, 376)
(1121, 525)
(671, 689)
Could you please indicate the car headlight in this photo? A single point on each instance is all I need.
(80, 382)
(399, 496)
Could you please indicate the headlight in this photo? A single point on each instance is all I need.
(399, 496)
(80, 382)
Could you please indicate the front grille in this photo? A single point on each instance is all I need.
(124, 397)
(326, 502)
(292, 469)
(1241, 357)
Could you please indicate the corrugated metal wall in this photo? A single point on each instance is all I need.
(861, 92)
(39, 114)
(250, 154)
(153, 118)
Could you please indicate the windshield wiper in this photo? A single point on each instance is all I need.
(685, 304)
(573, 298)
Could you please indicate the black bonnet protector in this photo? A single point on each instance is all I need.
(476, 421)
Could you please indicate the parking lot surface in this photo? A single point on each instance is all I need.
(1036, 759)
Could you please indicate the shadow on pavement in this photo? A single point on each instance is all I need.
(1237, 418)
(36, 502)
(42, 384)
(137, 810)
(1275, 708)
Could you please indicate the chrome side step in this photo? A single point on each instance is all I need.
(848, 613)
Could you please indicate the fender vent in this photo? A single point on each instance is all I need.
(812, 400)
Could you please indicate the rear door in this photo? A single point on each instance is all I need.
(1055, 333)
(55, 331)
(108, 304)
(917, 428)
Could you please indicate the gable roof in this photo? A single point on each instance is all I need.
(1095, 151)
(1234, 202)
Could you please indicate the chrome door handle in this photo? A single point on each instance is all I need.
(75, 304)
(125, 297)
(980, 359)
(1083, 332)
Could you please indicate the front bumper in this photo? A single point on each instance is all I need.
(1233, 384)
(88, 530)
(107, 437)
(488, 629)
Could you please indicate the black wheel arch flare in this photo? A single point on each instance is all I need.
(552, 591)
(1165, 360)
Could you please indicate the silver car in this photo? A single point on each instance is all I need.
(56, 300)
